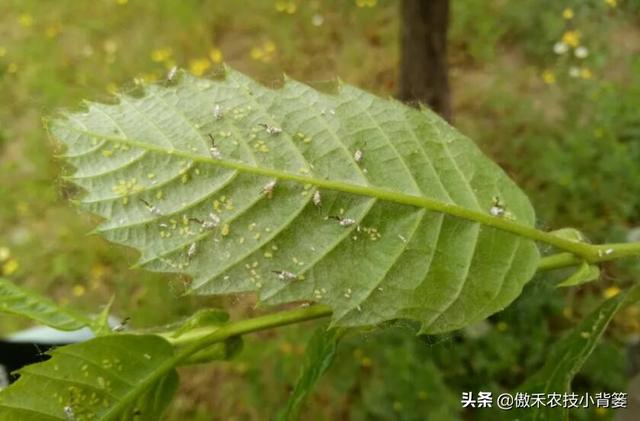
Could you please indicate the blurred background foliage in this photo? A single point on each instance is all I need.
(549, 89)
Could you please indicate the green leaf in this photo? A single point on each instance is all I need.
(22, 302)
(319, 355)
(101, 323)
(567, 357)
(116, 377)
(379, 210)
(585, 273)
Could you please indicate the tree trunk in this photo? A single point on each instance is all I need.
(423, 68)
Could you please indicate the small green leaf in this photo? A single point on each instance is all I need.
(21, 302)
(101, 323)
(320, 353)
(116, 377)
(585, 273)
(567, 357)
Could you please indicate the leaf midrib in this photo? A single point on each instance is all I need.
(452, 209)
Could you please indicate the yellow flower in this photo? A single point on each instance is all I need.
(110, 46)
(611, 292)
(161, 54)
(269, 47)
(264, 53)
(502, 326)
(26, 20)
(256, 53)
(567, 13)
(10, 267)
(571, 38)
(79, 290)
(549, 77)
(289, 7)
(585, 73)
(199, 66)
(611, 3)
(52, 31)
(215, 55)
(366, 3)
(286, 347)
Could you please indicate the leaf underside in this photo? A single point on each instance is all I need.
(106, 378)
(147, 167)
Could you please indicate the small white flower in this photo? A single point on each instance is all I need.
(581, 52)
(560, 48)
(574, 71)
(317, 20)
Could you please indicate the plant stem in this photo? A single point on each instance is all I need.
(203, 339)
(604, 253)
(220, 334)
(558, 261)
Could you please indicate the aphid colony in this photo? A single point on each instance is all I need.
(218, 114)
(268, 190)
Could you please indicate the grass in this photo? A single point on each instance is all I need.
(572, 144)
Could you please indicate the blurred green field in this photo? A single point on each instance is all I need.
(565, 127)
